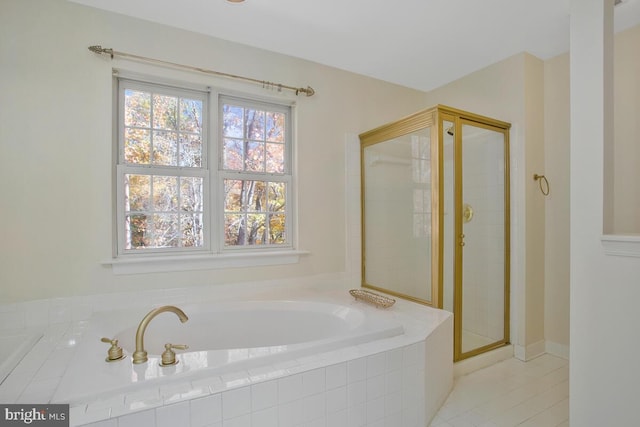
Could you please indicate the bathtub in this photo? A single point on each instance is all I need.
(223, 337)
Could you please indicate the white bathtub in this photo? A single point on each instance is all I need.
(222, 337)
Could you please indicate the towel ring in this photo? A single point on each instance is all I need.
(544, 188)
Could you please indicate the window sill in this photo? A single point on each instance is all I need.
(160, 264)
(621, 245)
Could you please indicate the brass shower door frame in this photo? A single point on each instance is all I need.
(460, 118)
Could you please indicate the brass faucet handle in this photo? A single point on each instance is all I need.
(115, 352)
(169, 356)
(177, 346)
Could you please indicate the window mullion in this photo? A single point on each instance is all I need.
(152, 156)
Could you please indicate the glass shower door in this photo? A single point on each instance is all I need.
(481, 230)
(397, 173)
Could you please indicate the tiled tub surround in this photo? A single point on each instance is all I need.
(396, 381)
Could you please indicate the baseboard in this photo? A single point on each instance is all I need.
(560, 350)
(529, 352)
(539, 348)
(483, 360)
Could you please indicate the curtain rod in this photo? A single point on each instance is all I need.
(298, 90)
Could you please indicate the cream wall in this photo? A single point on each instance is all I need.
(512, 91)
(56, 145)
(535, 201)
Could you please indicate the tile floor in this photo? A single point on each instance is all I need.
(510, 393)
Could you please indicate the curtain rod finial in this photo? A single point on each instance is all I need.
(99, 49)
(307, 91)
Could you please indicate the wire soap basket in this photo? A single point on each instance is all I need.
(379, 301)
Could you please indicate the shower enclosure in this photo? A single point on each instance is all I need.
(435, 219)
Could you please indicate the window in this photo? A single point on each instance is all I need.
(169, 198)
(255, 173)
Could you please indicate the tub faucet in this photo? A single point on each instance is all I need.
(140, 355)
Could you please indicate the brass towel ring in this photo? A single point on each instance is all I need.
(544, 188)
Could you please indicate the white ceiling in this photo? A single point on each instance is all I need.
(421, 44)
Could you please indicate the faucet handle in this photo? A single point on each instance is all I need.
(115, 352)
(169, 356)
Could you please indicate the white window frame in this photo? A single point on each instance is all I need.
(213, 254)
